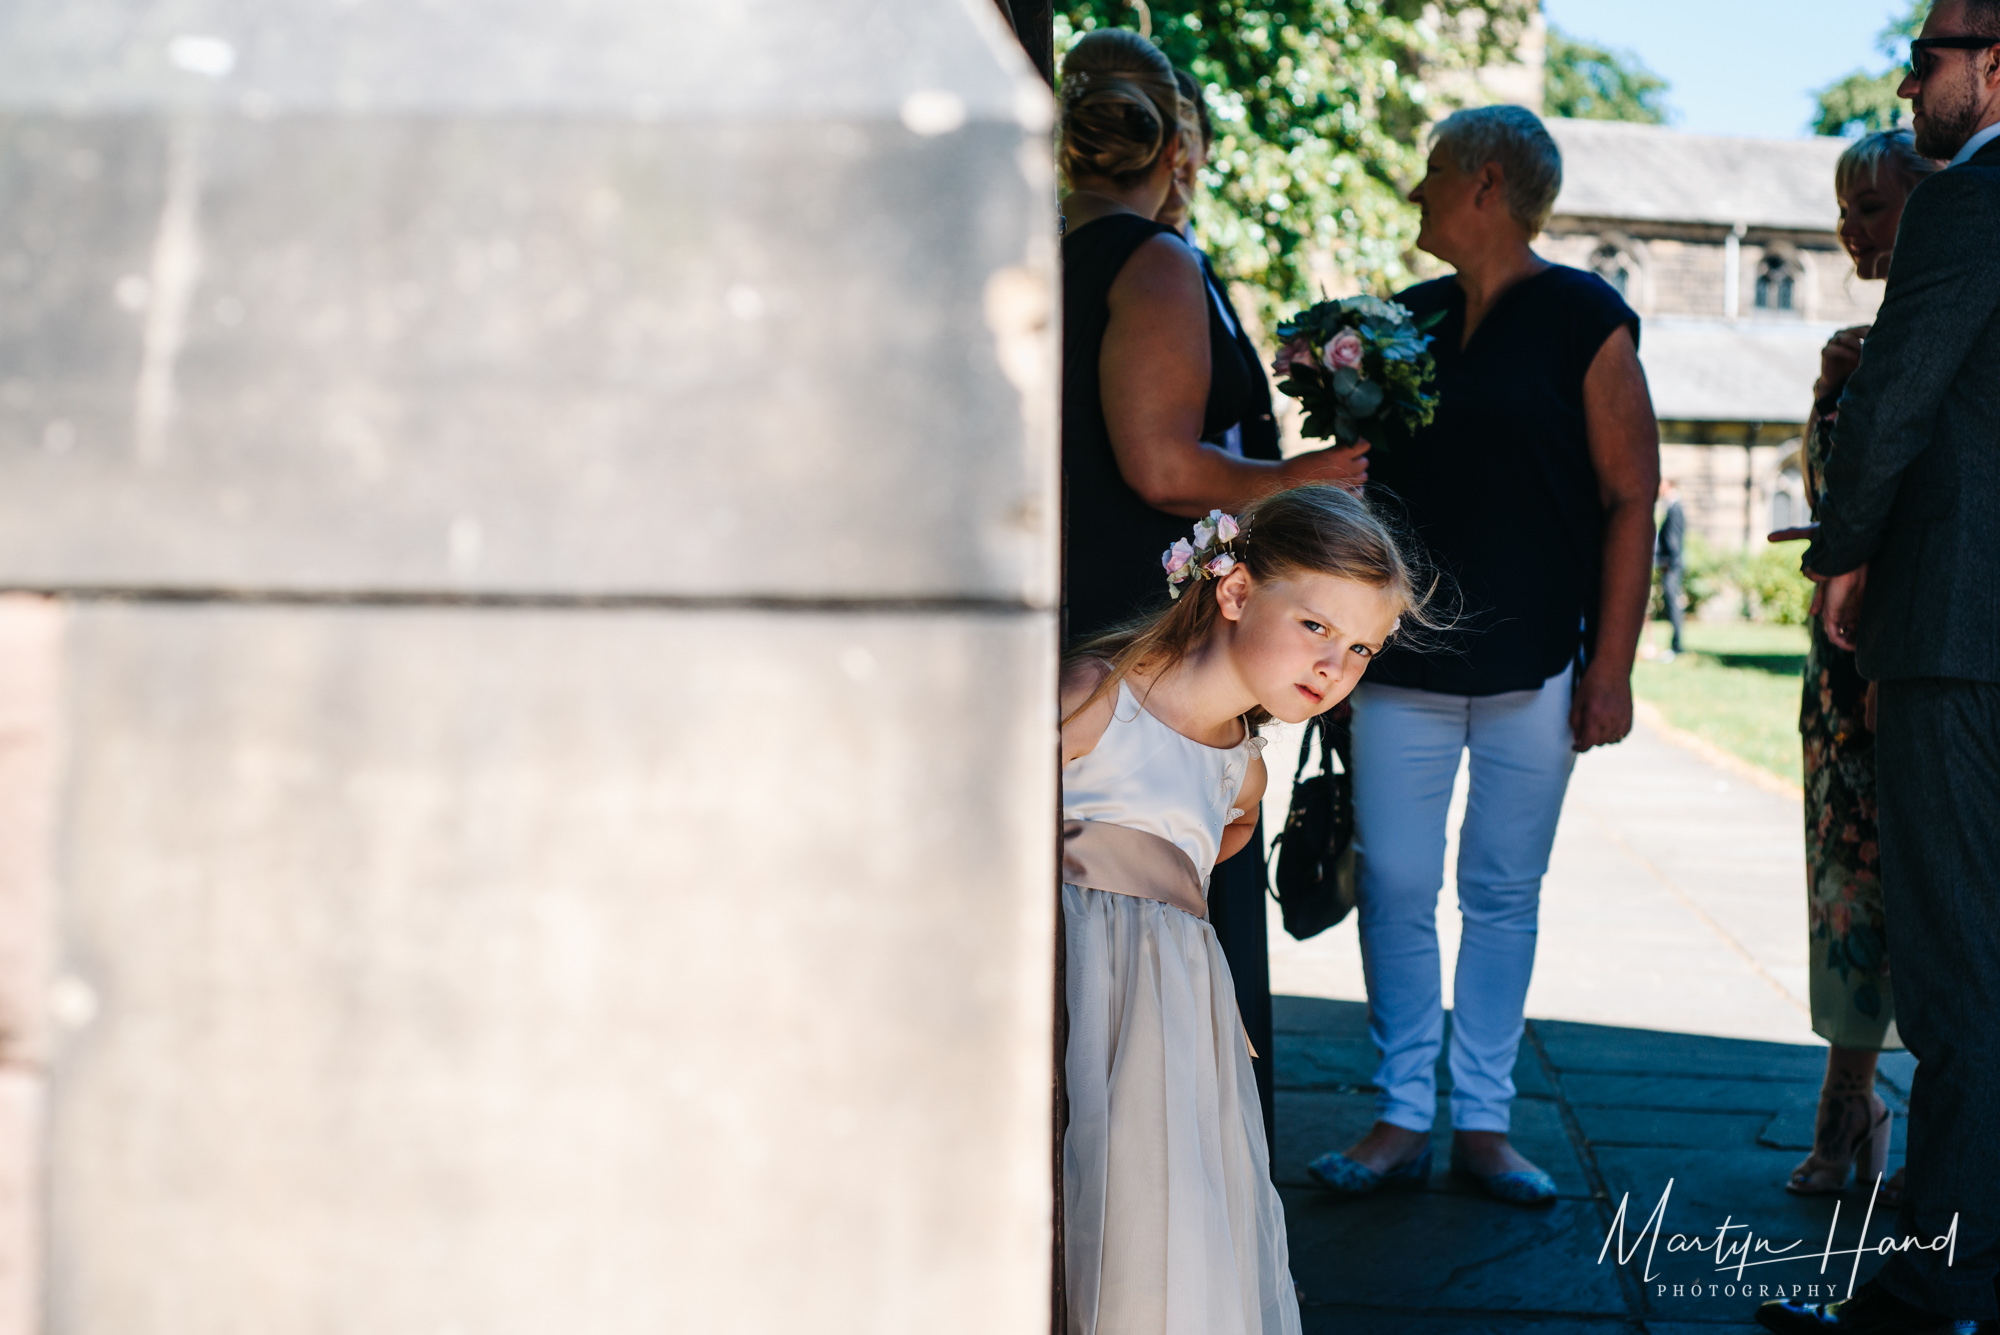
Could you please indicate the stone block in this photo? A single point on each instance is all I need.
(31, 632)
(509, 971)
(21, 1200)
(373, 298)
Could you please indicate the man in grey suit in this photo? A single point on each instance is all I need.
(1908, 556)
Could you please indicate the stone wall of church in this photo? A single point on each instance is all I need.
(1682, 271)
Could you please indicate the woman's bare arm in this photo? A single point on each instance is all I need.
(1153, 373)
(1238, 833)
(1625, 452)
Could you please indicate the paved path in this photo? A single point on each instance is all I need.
(1669, 1042)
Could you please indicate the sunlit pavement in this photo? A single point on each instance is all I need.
(1668, 1043)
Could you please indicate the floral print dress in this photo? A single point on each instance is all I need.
(1849, 964)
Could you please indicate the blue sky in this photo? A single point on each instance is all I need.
(1737, 66)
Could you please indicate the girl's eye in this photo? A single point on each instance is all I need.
(1314, 627)
(1363, 650)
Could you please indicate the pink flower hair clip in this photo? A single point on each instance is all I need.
(1207, 557)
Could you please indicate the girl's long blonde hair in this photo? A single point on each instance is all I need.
(1316, 529)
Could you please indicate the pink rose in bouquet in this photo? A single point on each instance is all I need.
(1345, 350)
(1296, 353)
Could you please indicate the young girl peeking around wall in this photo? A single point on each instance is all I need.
(1171, 1222)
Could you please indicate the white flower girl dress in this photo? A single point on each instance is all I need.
(1171, 1224)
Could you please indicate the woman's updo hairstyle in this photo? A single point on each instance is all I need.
(1317, 529)
(1120, 108)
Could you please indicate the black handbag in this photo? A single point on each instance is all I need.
(1314, 884)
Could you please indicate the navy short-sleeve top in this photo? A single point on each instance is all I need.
(1500, 487)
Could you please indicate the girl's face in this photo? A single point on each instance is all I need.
(1870, 213)
(1301, 644)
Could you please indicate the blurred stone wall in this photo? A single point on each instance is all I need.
(527, 707)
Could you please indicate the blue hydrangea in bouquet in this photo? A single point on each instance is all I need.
(1359, 367)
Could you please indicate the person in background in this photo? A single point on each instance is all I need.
(1853, 1007)
(1534, 488)
(1670, 555)
(1904, 561)
(1237, 891)
(1146, 392)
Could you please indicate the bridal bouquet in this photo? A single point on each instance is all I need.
(1359, 366)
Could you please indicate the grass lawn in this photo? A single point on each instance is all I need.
(1736, 687)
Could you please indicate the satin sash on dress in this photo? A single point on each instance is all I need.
(1098, 855)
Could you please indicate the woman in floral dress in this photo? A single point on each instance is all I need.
(1852, 1006)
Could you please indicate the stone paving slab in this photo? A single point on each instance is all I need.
(1419, 1250)
(1687, 1091)
(1671, 1128)
(1590, 1047)
(1365, 1321)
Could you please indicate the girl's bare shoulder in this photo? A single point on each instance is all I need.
(1084, 727)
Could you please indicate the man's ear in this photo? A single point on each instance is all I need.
(1232, 591)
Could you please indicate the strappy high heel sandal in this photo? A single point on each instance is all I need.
(1865, 1157)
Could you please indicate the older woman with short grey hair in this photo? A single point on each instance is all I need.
(1533, 488)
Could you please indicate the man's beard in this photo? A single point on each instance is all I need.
(1948, 122)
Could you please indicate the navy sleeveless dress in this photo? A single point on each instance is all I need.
(1112, 538)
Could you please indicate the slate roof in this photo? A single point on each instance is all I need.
(1654, 174)
(1714, 371)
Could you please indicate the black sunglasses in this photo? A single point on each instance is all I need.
(1921, 48)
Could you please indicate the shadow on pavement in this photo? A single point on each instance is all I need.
(1612, 1114)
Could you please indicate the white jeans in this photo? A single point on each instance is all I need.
(1407, 745)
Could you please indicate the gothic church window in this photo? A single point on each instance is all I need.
(1777, 284)
(1612, 265)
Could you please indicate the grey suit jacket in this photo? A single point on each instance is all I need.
(1913, 481)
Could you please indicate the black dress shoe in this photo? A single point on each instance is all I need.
(1871, 1311)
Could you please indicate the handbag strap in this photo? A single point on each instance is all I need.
(1316, 724)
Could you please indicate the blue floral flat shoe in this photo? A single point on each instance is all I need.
(1338, 1173)
(1529, 1187)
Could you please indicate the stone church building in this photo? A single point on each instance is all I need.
(1726, 248)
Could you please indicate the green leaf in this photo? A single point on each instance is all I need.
(1320, 110)
(1585, 82)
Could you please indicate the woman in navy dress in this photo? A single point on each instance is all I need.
(1532, 488)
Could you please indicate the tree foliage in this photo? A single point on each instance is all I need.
(1595, 83)
(1862, 103)
(1320, 108)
